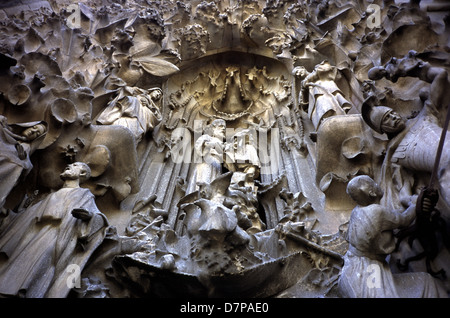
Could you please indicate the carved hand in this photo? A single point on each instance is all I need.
(429, 201)
(21, 152)
(82, 214)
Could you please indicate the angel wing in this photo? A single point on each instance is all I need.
(217, 188)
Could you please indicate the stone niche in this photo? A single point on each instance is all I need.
(252, 148)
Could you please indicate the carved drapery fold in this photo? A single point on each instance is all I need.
(136, 90)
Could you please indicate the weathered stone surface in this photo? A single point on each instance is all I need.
(223, 140)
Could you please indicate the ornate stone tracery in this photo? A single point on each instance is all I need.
(222, 138)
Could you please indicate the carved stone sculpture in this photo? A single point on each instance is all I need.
(209, 148)
(414, 143)
(221, 138)
(18, 142)
(56, 236)
(135, 109)
(366, 274)
(325, 98)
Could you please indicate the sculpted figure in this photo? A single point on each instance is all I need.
(300, 73)
(242, 197)
(134, 108)
(210, 148)
(413, 143)
(17, 143)
(242, 159)
(411, 66)
(218, 242)
(426, 128)
(325, 98)
(42, 241)
(412, 149)
(242, 154)
(366, 273)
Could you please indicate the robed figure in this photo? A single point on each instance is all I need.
(17, 143)
(42, 242)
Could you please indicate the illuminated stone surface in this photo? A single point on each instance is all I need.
(221, 138)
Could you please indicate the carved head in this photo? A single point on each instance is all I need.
(391, 122)
(76, 170)
(364, 191)
(218, 127)
(382, 119)
(300, 72)
(177, 136)
(33, 132)
(156, 94)
(324, 66)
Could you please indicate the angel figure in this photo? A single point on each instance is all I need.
(134, 108)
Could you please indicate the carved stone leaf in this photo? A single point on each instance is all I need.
(39, 63)
(156, 66)
(139, 51)
(64, 110)
(19, 94)
(32, 41)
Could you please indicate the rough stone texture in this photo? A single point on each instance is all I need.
(222, 139)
